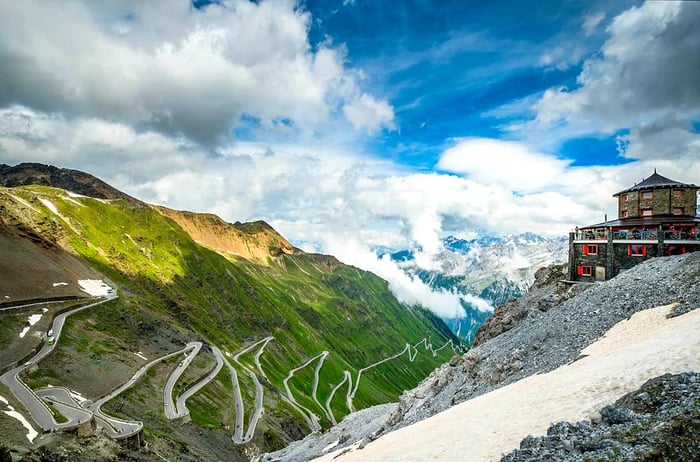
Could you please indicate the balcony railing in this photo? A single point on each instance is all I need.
(591, 236)
(633, 234)
(681, 236)
(638, 235)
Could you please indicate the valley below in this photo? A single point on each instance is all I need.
(226, 346)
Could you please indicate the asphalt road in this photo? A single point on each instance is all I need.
(178, 408)
(117, 428)
(37, 408)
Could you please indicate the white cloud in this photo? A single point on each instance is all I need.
(591, 22)
(369, 114)
(335, 201)
(507, 163)
(407, 289)
(177, 70)
(646, 72)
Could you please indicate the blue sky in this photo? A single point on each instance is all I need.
(352, 124)
(445, 65)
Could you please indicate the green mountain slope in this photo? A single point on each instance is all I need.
(175, 290)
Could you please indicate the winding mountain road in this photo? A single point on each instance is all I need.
(37, 408)
(238, 436)
(123, 428)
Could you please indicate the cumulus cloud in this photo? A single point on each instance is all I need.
(177, 70)
(369, 114)
(332, 200)
(508, 163)
(646, 72)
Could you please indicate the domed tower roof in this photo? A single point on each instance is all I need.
(656, 181)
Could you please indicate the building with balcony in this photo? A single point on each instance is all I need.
(656, 217)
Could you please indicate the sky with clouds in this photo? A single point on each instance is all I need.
(351, 123)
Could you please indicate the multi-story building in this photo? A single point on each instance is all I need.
(656, 217)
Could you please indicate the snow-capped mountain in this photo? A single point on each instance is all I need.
(493, 268)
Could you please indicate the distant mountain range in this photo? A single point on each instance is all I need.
(493, 268)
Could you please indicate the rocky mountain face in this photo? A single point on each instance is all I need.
(535, 334)
(660, 421)
(71, 180)
(546, 292)
(493, 268)
(255, 241)
(185, 278)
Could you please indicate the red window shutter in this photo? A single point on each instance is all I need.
(585, 250)
(629, 250)
(644, 250)
(579, 270)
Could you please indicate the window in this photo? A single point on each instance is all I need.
(637, 250)
(676, 250)
(624, 197)
(624, 214)
(678, 210)
(647, 212)
(584, 270)
(647, 195)
(590, 249)
(678, 193)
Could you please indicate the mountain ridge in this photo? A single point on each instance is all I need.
(174, 291)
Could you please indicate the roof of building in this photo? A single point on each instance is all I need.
(656, 181)
(654, 221)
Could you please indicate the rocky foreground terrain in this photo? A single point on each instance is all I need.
(660, 421)
(549, 330)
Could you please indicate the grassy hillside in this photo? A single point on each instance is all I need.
(174, 290)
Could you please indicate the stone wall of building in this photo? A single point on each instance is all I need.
(663, 201)
(591, 260)
(658, 203)
(628, 202)
(624, 261)
(686, 199)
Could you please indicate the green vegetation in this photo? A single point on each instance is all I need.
(174, 290)
(57, 416)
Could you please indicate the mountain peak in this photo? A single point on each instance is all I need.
(256, 241)
(31, 173)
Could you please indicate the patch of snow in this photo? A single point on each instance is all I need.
(7, 296)
(331, 446)
(633, 351)
(141, 356)
(23, 202)
(44, 310)
(56, 284)
(24, 332)
(77, 396)
(49, 205)
(31, 433)
(33, 319)
(95, 287)
(68, 199)
(72, 194)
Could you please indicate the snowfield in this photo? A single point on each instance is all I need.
(482, 429)
(49, 205)
(95, 287)
(33, 319)
(31, 433)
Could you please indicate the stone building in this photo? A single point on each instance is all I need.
(656, 217)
